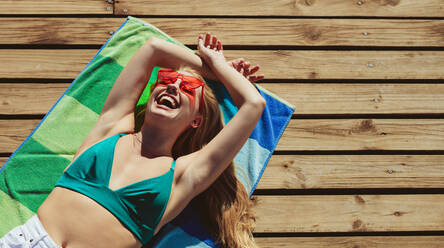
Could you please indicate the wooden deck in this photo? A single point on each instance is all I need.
(361, 164)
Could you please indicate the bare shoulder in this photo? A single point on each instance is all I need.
(103, 129)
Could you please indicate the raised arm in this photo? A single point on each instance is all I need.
(132, 80)
(117, 115)
(118, 109)
(214, 158)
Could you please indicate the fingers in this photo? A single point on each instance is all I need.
(212, 42)
(207, 39)
(243, 67)
(255, 78)
(239, 65)
(200, 41)
(246, 68)
(254, 69)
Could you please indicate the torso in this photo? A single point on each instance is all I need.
(74, 220)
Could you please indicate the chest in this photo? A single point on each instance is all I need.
(128, 168)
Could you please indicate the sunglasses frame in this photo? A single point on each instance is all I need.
(183, 77)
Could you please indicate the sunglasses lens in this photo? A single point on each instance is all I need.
(188, 84)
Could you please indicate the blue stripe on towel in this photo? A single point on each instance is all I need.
(268, 129)
(177, 237)
(251, 158)
(190, 228)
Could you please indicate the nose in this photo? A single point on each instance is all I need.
(172, 88)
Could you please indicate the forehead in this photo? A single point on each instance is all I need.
(186, 73)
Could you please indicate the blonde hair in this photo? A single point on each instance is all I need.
(225, 206)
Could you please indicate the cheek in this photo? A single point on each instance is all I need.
(187, 99)
(191, 98)
(198, 95)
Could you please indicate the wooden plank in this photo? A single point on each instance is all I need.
(349, 213)
(29, 98)
(234, 31)
(353, 171)
(374, 98)
(65, 7)
(355, 242)
(44, 63)
(394, 8)
(19, 98)
(346, 64)
(350, 171)
(363, 134)
(14, 132)
(58, 30)
(282, 64)
(311, 134)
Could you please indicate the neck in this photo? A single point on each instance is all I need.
(154, 141)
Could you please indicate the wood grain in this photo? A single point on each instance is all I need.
(14, 132)
(65, 7)
(364, 98)
(393, 8)
(308, 98)
(353, 171)
(29, 98)
(233, 31)
(351, 242)
(281, 64)
(349, 213)
(363, 134)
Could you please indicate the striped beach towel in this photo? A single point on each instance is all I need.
(31, 172)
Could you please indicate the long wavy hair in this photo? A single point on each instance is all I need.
(225, 206)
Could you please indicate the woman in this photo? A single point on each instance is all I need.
(123, 186)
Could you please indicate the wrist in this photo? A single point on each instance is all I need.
(207, 71)
(218, 62)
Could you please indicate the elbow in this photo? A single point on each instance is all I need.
(257, 104)
(153, 43)
(262, 102)
(153, 49)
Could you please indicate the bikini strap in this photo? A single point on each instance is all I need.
(174, 163)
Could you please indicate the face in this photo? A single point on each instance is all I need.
(175, 99)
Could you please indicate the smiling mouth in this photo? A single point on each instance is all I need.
(167, 101)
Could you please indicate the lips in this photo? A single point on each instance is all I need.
(168, 101)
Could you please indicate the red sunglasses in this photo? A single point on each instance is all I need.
(187, 85)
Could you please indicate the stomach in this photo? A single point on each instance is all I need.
(75, 220)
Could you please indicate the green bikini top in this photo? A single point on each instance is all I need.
(139, 206)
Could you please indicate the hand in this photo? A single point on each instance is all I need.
(243, 67)
(210, 49)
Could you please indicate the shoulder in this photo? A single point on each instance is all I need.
(100, 132)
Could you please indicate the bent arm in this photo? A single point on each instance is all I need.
(132, 80)
(215, 157)
(117, 115)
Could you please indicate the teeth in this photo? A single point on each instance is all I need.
(171, 100)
